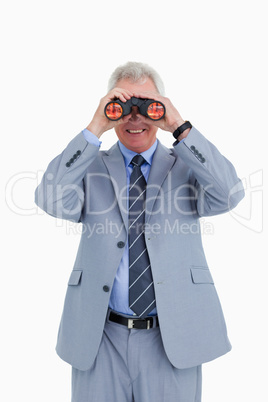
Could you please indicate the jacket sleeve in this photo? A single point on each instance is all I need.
(61, 191)
(218, 189)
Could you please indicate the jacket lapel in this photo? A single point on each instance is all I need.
(115, 164)
(161, 165)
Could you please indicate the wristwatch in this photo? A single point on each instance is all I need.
(181, 129)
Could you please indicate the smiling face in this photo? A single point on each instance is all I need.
(137, 134)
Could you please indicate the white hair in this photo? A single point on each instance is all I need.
(135, 72)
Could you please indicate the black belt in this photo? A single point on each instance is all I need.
(136, 323)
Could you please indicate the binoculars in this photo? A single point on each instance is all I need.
(116, 109)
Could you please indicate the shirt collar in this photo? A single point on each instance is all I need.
(128, 154)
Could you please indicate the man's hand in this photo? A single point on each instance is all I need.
(99, 124)
(172, 119)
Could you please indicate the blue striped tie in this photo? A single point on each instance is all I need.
(141, 288)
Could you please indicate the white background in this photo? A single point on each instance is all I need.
(57, 57)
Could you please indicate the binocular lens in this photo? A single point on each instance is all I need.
(155, 111)
(114, 111)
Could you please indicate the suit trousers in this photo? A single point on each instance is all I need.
(132, 366)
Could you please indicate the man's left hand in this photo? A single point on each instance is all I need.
(172, 119)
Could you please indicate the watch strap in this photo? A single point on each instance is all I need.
(181, 129)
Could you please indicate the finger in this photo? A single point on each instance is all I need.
(145, 93)
(122, 94)
(124, 97)
(149, 95)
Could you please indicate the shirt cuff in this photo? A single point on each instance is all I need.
(178, 142)
(91, 138)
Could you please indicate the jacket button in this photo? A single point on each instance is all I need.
(192, 147)
(106, 288)
(68, 164)
(120, 244)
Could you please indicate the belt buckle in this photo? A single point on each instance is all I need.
(130, 323)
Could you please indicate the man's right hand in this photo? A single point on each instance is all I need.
(100, 123)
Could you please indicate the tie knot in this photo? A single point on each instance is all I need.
(138, 160)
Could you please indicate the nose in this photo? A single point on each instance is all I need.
(134, 113)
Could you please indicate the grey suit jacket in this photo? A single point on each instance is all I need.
(189, 181)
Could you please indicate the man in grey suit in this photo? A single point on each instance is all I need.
(141, 312)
